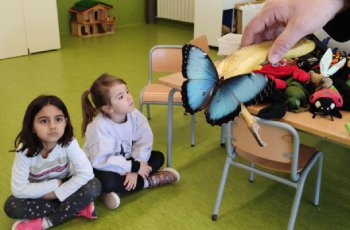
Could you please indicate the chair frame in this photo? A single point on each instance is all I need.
(150, 81)
(296, 180)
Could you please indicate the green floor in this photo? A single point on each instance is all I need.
(188, 205)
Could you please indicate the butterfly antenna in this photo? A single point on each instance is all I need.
(253, 125)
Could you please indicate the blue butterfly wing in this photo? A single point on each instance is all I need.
(201, 75)
(230, 93)
(222, 107)
(247, 87)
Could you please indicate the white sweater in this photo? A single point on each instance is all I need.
(110, 145)
(33, 177)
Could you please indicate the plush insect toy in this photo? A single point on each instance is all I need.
(326, 100)
(341, 79)
(326, 69)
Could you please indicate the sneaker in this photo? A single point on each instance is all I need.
(88, 212)
(111, 200)
(32, 224)
(164, 176)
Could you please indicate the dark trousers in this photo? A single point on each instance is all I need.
(55, 210)
(114, 182)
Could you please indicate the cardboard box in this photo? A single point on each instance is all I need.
(239, 14)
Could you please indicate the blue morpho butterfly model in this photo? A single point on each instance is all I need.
(221, 98)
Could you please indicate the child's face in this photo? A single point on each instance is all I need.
(121, 100)
(49, 124)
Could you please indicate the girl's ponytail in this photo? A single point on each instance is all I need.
(88, 110)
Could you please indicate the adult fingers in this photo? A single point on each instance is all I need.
(284, 42)
(253, 31)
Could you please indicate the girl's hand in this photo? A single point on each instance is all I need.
(144, 170)
(130, 181)
(60, 182)
(50, 196)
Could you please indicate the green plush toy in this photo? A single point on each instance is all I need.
(296, 96)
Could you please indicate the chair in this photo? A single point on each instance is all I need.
(166, 59)
(283, 153)
(162, 59)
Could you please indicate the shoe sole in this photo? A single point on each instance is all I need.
(15, 224)
(117, 201)
(175, 172)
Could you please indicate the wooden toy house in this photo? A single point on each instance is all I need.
(90, 18)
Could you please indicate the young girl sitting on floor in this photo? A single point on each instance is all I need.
(45, 190)
(119, 142)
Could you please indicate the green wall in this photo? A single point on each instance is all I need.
(127, 13)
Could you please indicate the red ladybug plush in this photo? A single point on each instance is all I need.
(326, 102)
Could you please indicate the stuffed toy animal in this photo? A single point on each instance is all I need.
(326, 100)
(281, 70)
(341, 79)
(293, 98)
(296, 96)
(277, 109)
(328, 66)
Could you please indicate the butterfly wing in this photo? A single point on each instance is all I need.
(230, 93)
(201, 75)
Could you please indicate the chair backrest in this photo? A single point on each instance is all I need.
(201, 42)
(281, 152)
(166, 58)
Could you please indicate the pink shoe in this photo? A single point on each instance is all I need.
(33, 224)
(88, 212)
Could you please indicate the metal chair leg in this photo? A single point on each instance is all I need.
(193, 130)
(148, 111)
(318, 180)
(296, 203)
(221, 189)
(141, 107)
(222, 138)
(251, 174)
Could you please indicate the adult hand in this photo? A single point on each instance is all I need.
(287, 21)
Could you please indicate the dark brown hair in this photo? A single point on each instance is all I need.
(27, 139)
(99, 95)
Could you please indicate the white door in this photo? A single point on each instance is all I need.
(12, 33)
(208, 20)
(41, 23)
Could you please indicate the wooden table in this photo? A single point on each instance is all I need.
(319, 126)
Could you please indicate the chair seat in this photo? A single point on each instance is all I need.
(305, 155)
(158, 93)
